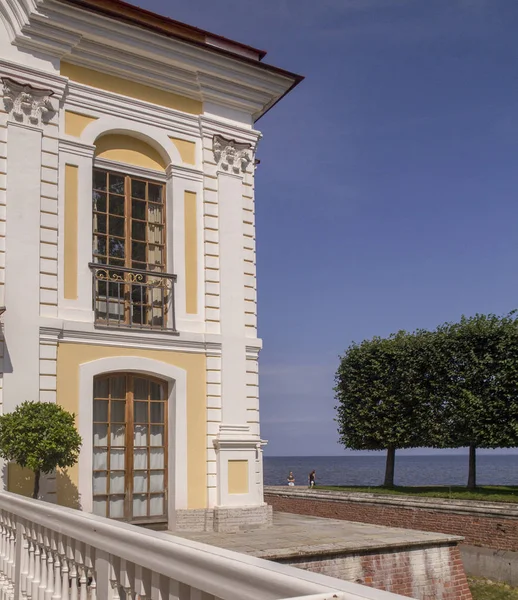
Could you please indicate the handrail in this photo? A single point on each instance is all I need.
(221, 573)
(128, 270)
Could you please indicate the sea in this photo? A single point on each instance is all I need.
(369, 470)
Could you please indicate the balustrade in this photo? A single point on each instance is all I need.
(49, 552)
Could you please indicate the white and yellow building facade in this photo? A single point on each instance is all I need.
(127, 255)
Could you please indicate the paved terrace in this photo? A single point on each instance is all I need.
(298, 536)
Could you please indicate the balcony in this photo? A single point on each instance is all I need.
(132, 298)
(49, 552)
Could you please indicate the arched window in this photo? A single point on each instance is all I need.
(130, 447)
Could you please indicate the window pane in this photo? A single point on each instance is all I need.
(117, 226)
(157, 412)
(118, 387)
(100, 435)
(100, 506)
(138, 251)
(157, 481)
(157, 435)
(100, 223)
(138, 230)
(116, 184)
(140, 435)
(140, 458)
(157, 458)
(140, 481)
(138, 189)
(101, 411)
(138, 210)
(118, 411)
(156, 391)
(117, 248)
(116, 205)
(155, 214)
(140, 505)
(155, 192)
(99, 201)
(156, 505)
(117, 482)
(118, 435)
(99, 180)
(99, 245)
(99, 483)
(117, 507)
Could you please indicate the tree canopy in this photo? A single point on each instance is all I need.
(40, 436)
(449, 388)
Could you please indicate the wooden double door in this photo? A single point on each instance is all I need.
(130, 449)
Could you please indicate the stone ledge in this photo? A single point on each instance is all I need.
(224, 519)
(488, 509)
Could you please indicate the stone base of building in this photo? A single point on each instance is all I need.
(219, 519)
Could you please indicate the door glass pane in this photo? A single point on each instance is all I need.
(156, 391)
(140, 412)
(157, 435)
(118, 387)
(118, 411)
(99, 507)
(117, 459)
(117, 435)
(117, 482)
(156, 457)
(100, 481)
(140, 481)
(100, 435)
(156, 505)
(140, 505)
(101, 389)
(156, 481)
(116, 507)
(140, 389)
(100, 459)
(140, 435)
(140, 458)
(101, 411)
(157, 412)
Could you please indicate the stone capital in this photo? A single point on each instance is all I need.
(26, 104)
(232, 156)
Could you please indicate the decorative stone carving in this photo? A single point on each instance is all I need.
(27, 104)
(232, 156)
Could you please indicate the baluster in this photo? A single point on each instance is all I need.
(24, 567)
(73, 581)
(114, 579)
(3, 573)
(49, 590)
(44, 572)
(93, 585)
(83, 581)
(37, 567)
(63, 547)
(11, 561)
(30, 571)
(57, 577)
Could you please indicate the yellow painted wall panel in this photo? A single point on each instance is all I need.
(71, 224)
(75, 123)
(186, 149)
(132, 89)
(238, 477)
(191, 254)
(129, 150)
(71, 356)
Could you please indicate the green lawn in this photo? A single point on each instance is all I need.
(482, 589)
(497, 493)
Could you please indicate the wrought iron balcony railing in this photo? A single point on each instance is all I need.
(133, 298)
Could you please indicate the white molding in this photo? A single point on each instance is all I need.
(34, 77)
(72, 146)
(110, 337)
(177, 426)
(132, 170)
(183, 172)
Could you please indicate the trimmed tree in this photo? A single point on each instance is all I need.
(382, 403)
(479, 377)
(41, 437)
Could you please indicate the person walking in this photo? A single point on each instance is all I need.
(291, 479)
(311, 479)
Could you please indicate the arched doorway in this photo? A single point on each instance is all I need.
(130, 449)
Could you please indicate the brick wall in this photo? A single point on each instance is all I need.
(433, 573)
(489, 527)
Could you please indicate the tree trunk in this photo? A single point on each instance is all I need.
(472, 477)
(389, 467)
(36, 491)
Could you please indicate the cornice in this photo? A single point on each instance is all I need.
(67, 32)
(185, 173)
(77, 148)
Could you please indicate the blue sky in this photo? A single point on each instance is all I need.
(387, 192)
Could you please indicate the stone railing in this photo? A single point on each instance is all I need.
(48, 552)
